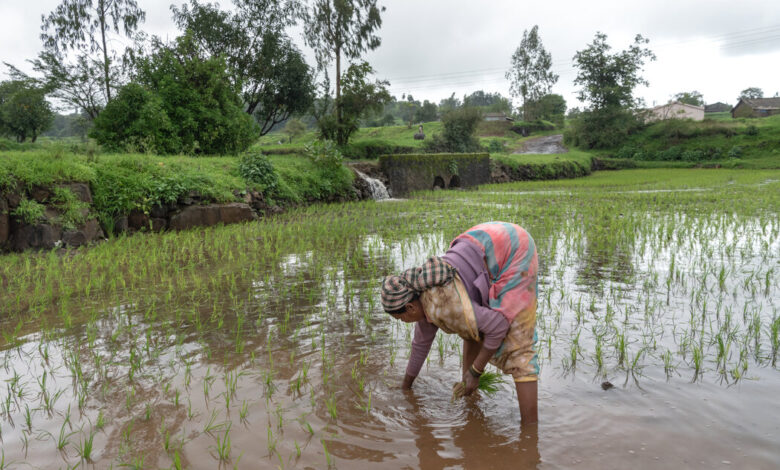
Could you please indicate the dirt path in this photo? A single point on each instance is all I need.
(548, 144)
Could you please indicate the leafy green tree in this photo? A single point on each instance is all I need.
(751, 93)
(693, 97)
(84, 26)
(136, 118)
(294, 128)
(359, 97)
(342, 27)
(273, 77)
(607, 82)
(24, 111)
(459, 132)
(427, 112)
(181, 103)
(449, 104)
(530, 75)
(550, 107)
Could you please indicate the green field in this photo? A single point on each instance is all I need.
(264, 344)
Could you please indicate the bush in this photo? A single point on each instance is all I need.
(495, 146)
(459, 134)
(29, 211)
(607, 128)
(180, 103)
(751, 130)
(256, 169)
(735, 152)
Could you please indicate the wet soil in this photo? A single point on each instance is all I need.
(550, 144)
(296, 367)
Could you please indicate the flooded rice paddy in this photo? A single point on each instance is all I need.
(264, 345)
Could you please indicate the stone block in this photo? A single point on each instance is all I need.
(137, 220)
(211, 214)
(39, 236)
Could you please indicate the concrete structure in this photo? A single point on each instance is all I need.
(415, 172)
(756, 107)
(676, 110)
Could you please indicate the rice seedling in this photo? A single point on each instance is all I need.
(293, 299)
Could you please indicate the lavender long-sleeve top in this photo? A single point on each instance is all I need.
(468, 259)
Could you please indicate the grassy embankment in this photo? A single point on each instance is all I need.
(718, 141)
(125, 182)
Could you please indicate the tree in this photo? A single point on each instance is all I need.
(489, 102)
(24, 111)
(608, 80)
(427, 112)
(751, 93)
(459, 132)
(181, 103)
(273, 77)
(449, 104)
(551, 107)
(607, 83)
(694, 97)
(83, 26)
(294, 128)
(530, 75)
(342, 27)
(359, 97)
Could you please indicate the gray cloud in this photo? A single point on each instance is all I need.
(432, 48)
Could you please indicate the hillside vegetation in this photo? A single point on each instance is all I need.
(738, 143)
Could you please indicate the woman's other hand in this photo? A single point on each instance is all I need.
(471, 383)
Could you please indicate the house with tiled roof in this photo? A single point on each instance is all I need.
(756, 107)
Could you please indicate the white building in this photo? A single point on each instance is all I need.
(676, 110)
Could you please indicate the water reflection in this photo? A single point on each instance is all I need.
(470, 442)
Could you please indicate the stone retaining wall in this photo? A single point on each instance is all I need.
(407, 173)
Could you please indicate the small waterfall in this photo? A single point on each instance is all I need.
(378, 190)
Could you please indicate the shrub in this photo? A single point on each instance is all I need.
(495, 146)
(255, 168)
(459, 134)
(735, 152)
(29, 211)
(607, 128)
(751, 130)
(73, 211)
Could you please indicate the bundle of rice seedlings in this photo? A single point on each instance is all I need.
(488, 383)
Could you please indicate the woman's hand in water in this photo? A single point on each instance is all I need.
(471, 383)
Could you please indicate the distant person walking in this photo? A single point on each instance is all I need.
(484, 289)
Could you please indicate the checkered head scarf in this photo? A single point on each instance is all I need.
(397, 291)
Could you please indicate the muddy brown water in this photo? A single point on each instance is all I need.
(149, 388)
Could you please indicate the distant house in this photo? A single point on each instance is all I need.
(756, 107)
(497, 117)
(717, 107)
(676, 110)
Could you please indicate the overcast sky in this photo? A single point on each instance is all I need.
(432, 48)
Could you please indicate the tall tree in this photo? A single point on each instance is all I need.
(607, 82)
(690, 97)
(360, 97)
(273, 77)
(84, 26)
(342, 27)
(24, 111)
(751, 93)
(530, 75)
